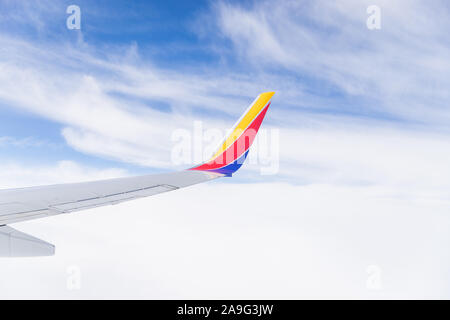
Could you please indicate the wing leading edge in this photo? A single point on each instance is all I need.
(23, 204)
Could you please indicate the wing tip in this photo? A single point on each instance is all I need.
(221, 162)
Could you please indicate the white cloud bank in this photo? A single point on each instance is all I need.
(267, 241)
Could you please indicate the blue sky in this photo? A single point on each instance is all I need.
(147, 68)
(163, 32)
(362, 156)
(154, 27)
(202, 40)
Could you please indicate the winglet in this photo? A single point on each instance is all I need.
(234, 150)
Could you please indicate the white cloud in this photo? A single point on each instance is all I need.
(71, 83)
(242, 241)
(24, 142)
(81, 101)
(14, 175)
(401, 68)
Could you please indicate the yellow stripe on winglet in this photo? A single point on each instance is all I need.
(246, 120)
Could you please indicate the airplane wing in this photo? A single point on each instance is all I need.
(36, 202)
(23, 204)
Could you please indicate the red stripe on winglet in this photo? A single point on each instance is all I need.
(238, 148)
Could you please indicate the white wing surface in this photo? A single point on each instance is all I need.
(36, 202)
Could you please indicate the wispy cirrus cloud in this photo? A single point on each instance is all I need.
(401, 70)
(356, 93)
(15, 175)
(24, 142)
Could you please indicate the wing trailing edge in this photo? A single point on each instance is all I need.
(14, 243)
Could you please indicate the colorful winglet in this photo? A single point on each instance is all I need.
(234, 150)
